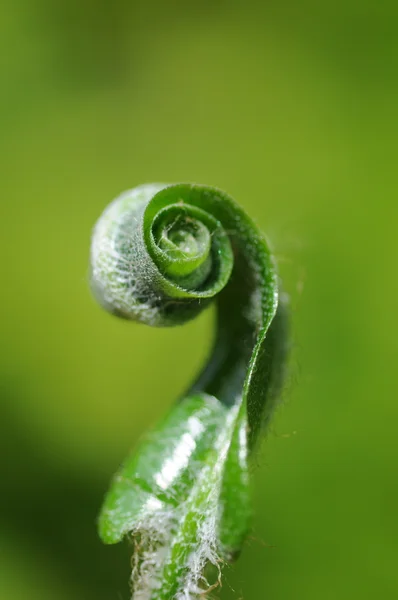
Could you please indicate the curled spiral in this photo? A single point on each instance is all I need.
(160, 254)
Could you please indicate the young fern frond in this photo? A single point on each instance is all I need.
(160, 254)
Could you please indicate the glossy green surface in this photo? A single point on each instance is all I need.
(157, 253)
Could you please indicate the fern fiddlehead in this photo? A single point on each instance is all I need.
(159, 255)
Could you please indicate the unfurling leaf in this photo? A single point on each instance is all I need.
(160, 254)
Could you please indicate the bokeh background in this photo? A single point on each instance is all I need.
(292, 110)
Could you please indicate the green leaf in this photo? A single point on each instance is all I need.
(159, 255)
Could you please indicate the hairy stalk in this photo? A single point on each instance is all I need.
(159, 255)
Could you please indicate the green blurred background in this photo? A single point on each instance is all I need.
(293, 112)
